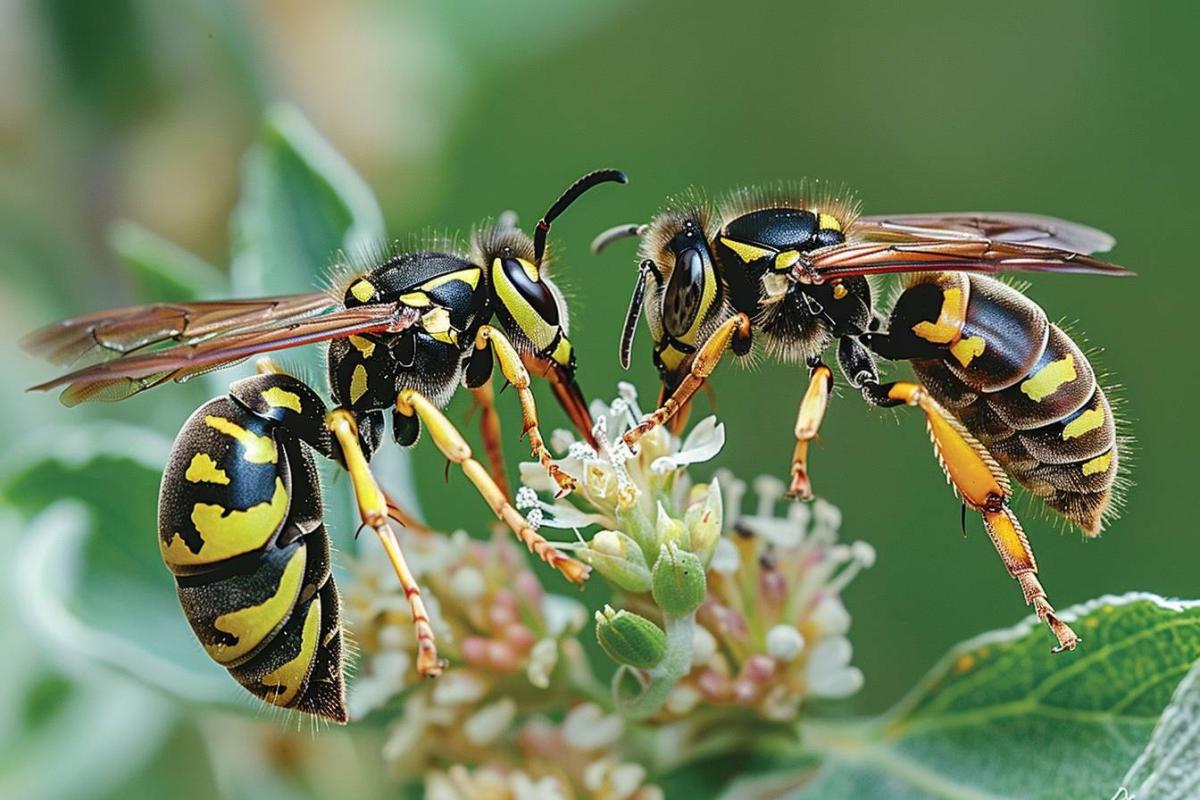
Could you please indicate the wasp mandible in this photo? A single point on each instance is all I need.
(240, 517)
(1004, 391)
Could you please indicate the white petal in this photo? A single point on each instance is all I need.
(836, 685)
(725, 557)
(562, 614)
(702, 443)
(490, 722)
(458, 688)
(784, 642)
(587, 727)
(831, 616)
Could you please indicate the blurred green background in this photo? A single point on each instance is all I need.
(142, 111)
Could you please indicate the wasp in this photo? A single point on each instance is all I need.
(1004, 391)
(240, 520)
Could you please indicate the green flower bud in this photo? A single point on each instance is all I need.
(619, 559)
(629, 638)
(704, 519)
(679, 585)
(669, 529)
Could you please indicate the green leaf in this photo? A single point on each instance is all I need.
(1169, 767)
(1000, 716)
(164, 270)
(92, 582)
(301, 205)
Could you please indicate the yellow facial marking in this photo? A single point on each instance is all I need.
(1098, 464)
(1050, 378)
(203, 469)
(290, 677)
(364, 346)
(965, 350)
(531, 270)
(829, 222)
(467, 276)
(363, 291)
(950, 319)
(415, 299)
(1086, 422)
(746, 252)
(228, 533)
(255, 449)
(671, 358)
(562, 353)
(358, 383)
(278, 397)
(437, 324)
(540, 332)
(252, 624)
(839, 291)
(786, 260)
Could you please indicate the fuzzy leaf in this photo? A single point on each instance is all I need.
(163, 270)
(1000, 716)
(301, 205)
(97, 587)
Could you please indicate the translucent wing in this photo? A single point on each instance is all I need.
(134, 372)
(115, 333)
(1015, 228)
(961, 255)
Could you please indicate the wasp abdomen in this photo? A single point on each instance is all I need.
(240, 527)
(1020, 385)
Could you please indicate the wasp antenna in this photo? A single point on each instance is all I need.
(645, 270)
(616, 233)
(568, 197)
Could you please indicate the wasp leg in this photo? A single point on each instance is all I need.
(734, 331)
(983, 487)
(808, 422)
(454, 447)
(373, 507)
(515, 373)
(489, 430)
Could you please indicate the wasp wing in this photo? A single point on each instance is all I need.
(113, 334)
(137, 371)
(1015, 228)
(962, 255)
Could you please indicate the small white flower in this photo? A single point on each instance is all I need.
(587, 727)
(725, 558)
(563, 615)
(703, 442)
(490, 722)
(784, 642)
(831, 616)
(468, 583)
(459, 688)
(542, 660)
(704, 646)
(526, 498)
(828, 671)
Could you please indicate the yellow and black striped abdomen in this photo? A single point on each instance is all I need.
(1026, 391)
(240, 526)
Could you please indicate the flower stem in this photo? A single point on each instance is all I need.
(657, 682)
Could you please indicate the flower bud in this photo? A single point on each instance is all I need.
(679, 585)
(669, 529)
(629, 638)
(704, 520)
(619, 559)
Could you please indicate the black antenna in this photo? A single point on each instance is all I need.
(617, 233)
(645, 270)
(570, 196)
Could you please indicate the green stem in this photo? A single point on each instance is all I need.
(676, 663)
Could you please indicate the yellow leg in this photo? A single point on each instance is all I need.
(489, 429)
(983, 487)
(808, 422)
(373, 508)
(703, 364)
(515, 373)
(455, 448)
